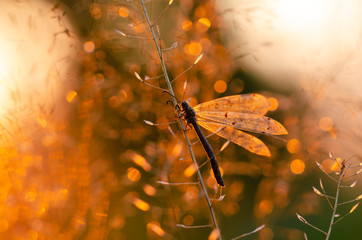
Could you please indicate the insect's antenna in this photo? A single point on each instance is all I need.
(174, 97)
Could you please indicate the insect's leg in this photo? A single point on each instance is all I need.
(168, 101)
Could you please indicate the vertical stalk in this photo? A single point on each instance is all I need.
(212, 213)
(343, 172)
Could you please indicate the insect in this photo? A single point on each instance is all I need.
(232, 117)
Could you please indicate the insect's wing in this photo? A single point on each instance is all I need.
(244, 121)
(241, 138)
(245, 103)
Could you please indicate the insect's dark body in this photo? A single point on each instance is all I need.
(190, 117)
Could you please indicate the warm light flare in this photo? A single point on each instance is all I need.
(71, 95)
(203, 24)
(193, 48)
(265, 207)
(37, 56)
(302, 14)
(214, 235)
(149, 190)
(5, 71)
(336, 165)
(123, 12)
(190, 170)
(273, 104)
(220, 86)
(156, 228)
(293, 145)
(141, 205)
(89, 46)
(297, 166)
(141, 161)
(133, 174)
(325, 123)
(186, 25)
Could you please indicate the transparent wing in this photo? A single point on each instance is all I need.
(244, 121)
(241, 138)
(245, 103)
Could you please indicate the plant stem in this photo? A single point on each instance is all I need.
(343, 172)
(181, 122)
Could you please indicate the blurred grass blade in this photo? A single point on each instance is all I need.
(249, 233)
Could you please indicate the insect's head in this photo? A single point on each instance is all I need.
(185, 105)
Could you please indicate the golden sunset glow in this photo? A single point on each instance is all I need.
(97, 141)
(297, 166)
(5, 72)
(302, 14)
(31, 90)
(220, 86)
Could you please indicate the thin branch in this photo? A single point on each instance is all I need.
(356, 165)
(197, 226)
(163, 12)
(144, 82)
(343, 172)
(350, 211)
(353, 200)
(174, 45)
(168, 82)
(131, 36)
(322, 169)
(249, 233)
(178, 184)
(194, 63)
(159, 124)
(355, 174)
(147, 78)
(302, 219)
(324, 192)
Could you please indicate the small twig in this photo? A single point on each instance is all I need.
(178, 184)
(195, 62)
(353, 200)
(174, 45)
(322, 169)
(147, 78)
(307, 223)
(148, 84)
(352, 209)
(343, 172)
(198, 226)
(321, 194)
(247, 234)
(159, 124)
(324, 192)
(131, 36)
(355, 174)
(305, 236)
(349, 186)
(163, 12)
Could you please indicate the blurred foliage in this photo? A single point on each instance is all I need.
(97, 178)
